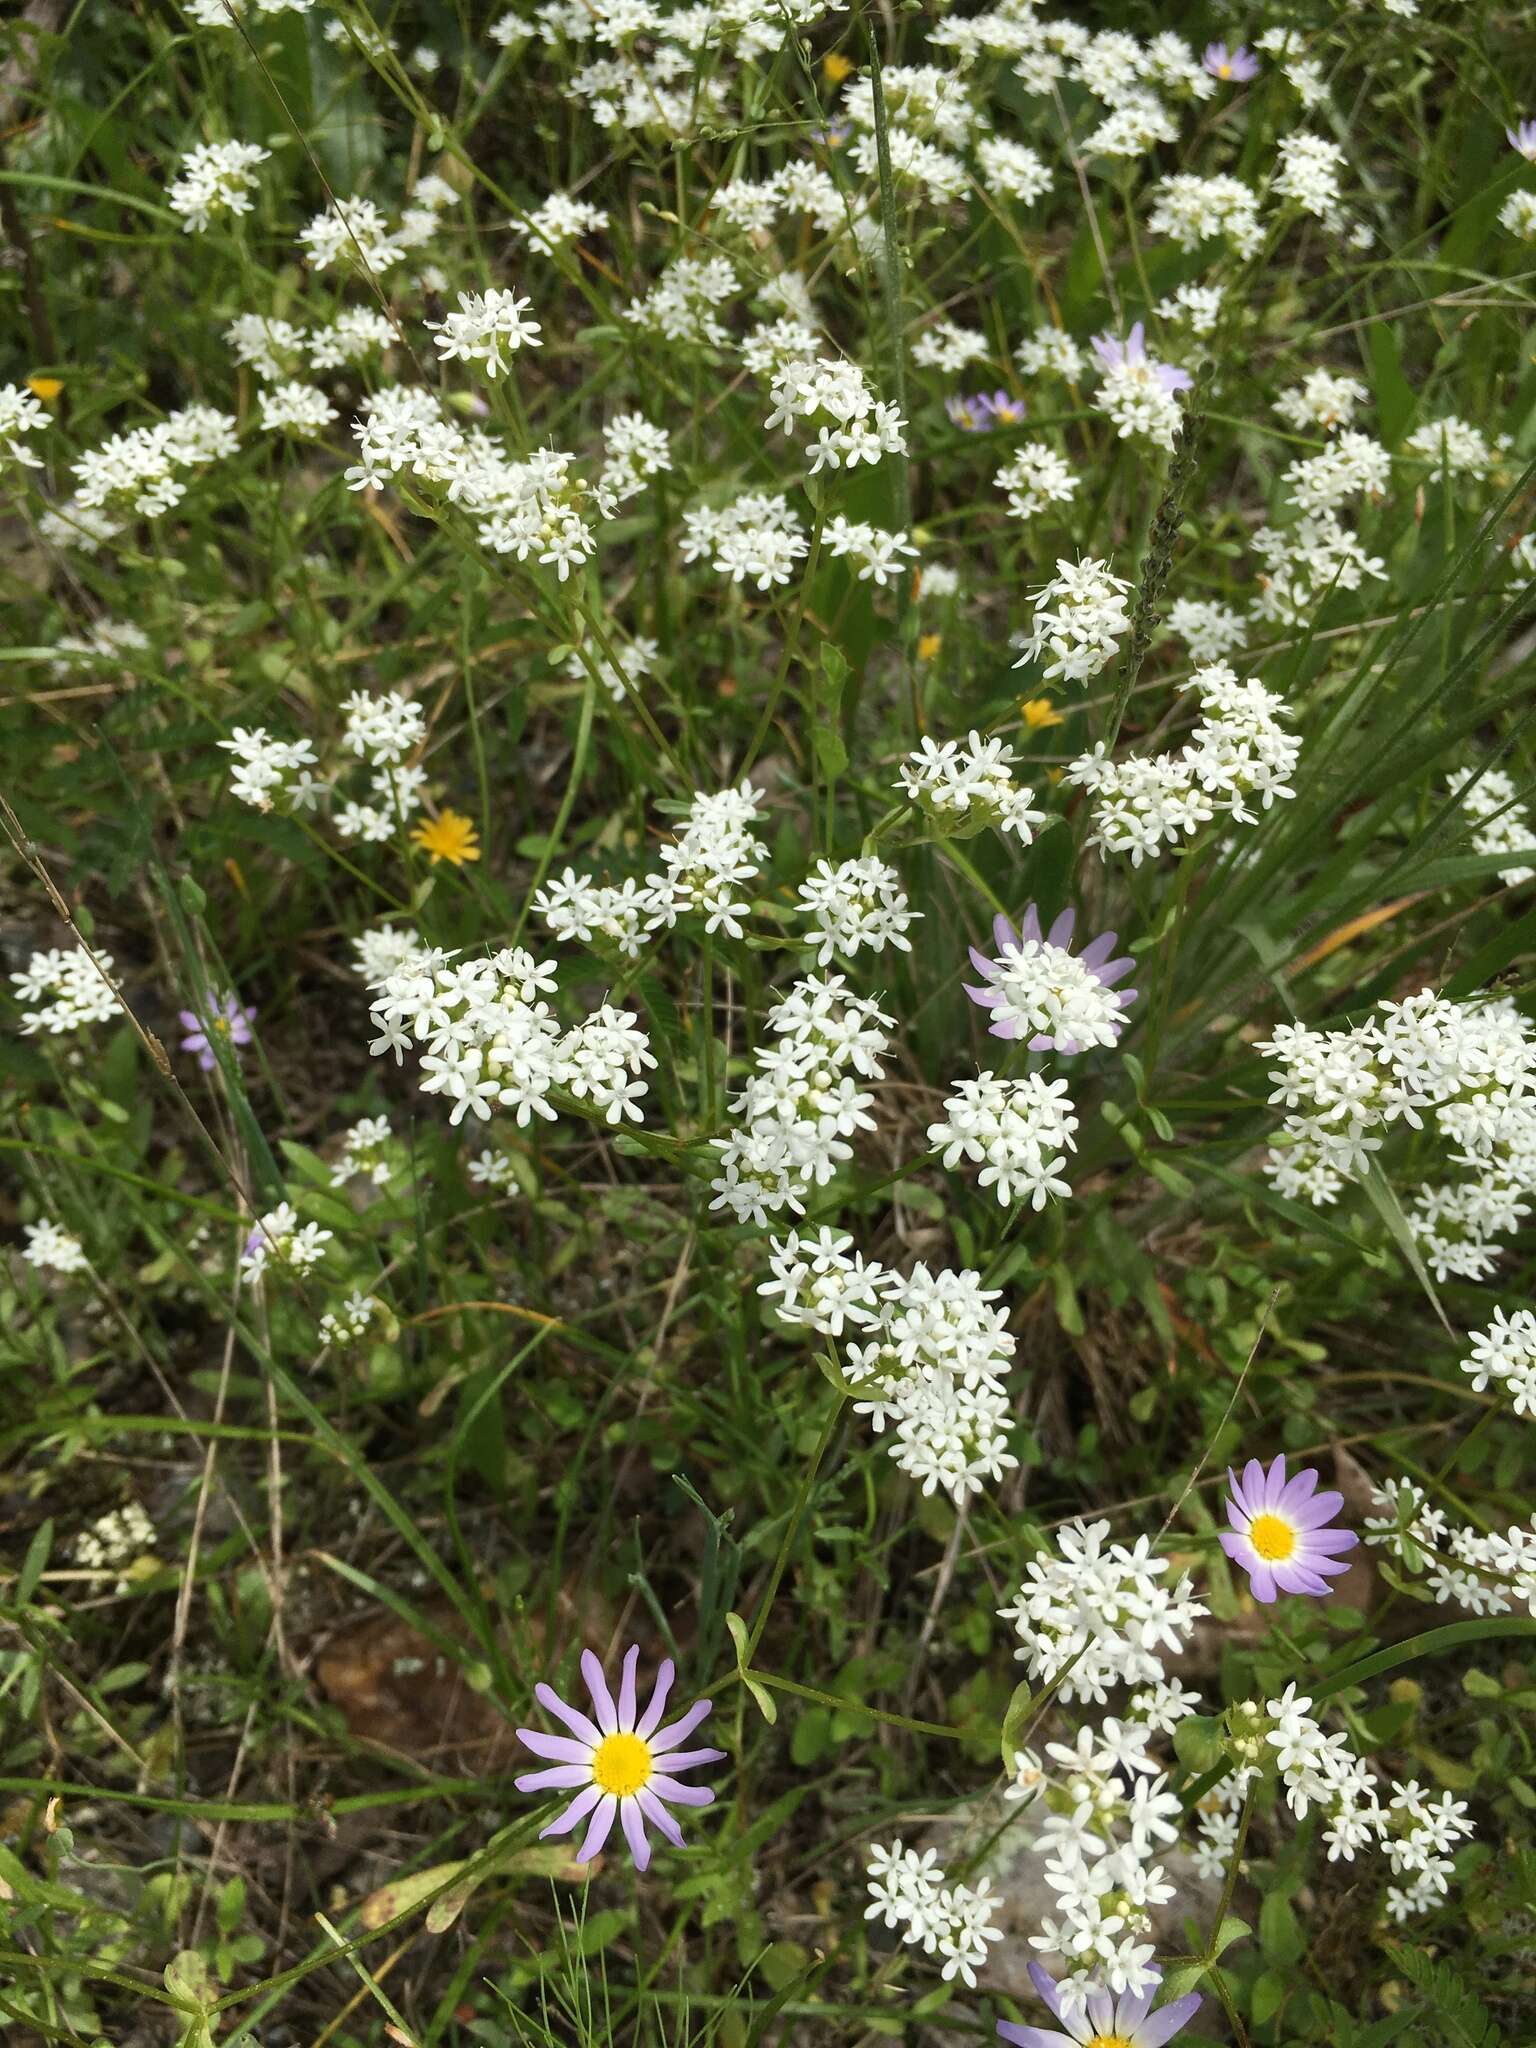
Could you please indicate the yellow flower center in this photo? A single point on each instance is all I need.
(1271, 1537)
(622, 1764)
(1110, 2041)
(1225, 71)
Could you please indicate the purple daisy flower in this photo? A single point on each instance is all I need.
(229, 1020)
(1039, 989)
(1125, 2022)
(623, 1764)
(1239, 65)
(1522, 137)
(1114, 354)
(1280, 1534)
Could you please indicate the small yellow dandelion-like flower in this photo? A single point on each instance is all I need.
(835, 67)
(45, 388)
(928, 645)
(1038, 713)
(450, 836)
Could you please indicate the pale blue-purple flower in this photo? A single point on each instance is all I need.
(1239, 65)
(984, 409)
(1128, 2021)
(1114, 354)
(1280, 1534)
(621, 1764)
(1522, 137)
(228, 1019)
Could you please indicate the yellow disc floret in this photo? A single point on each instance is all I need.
(622, 1764)
(1272, 1537)
(1109, 2041)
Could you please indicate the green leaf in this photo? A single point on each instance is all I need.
(1014, 1721)
(1231, 1929)
(1280, 1934)
(34, 1563)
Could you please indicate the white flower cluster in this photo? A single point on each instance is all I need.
(1238, 762)
(1209, 630)
(681, 305)
(953, 1921)
(352, 1319)
(279, 1237)
(1034, 477)
(1080, 616)
(856, 904)
(830, 397)
(803, 1103)
(1089, 1616)
(140, 471)
(364, 1153)
(1518, 214)
(1504, 1355)
(52, 1249)
(382, 730)
(1194, 210)
(275, 348)
(71, 988)
(966, 785)
(1470, 1066)
(266, 771)
(485, 325)
(1322, 1771)
(1306, 563)
(20, 413)
(1092, 1614)
(925, 1352)
(877, 553)
(296, 408)
(1308, 175)
(1487, 1572)
(557, 220)
(1504, 826)
(216, 177)
(757, 536)
(945, 345)
(1019, 1132)
(1324, 399)
(636, 452)
(1050, 352)
(489, 1040)
(537, 508)
(115, 1539)
(1455, 447)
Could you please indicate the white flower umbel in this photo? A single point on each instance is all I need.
(489, 1041)
(1503, 825)
(1324, 399)
(488, 328)
(830, 398)
(795, 1117)
(909, 1892)
(857, 904)
(1019, 1132)
(216, 177)
(757, 536)
(966, 785)
(1238, 763)
(1080, 617)
(279, 1238)
(52, 1249)
(926, 1354)
(877, 554)
(267, 773)
(20, 413)
(1504, 1356)
(1104, 1610)
(1467, 1070)
(72, 989)
(1036, 477)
